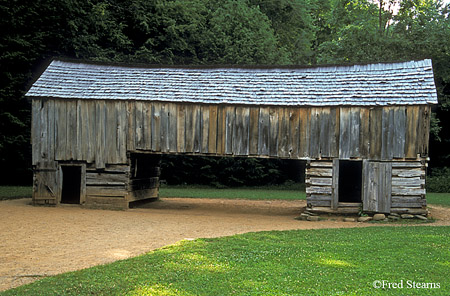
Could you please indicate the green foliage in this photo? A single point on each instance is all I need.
(439, 180)
(301, 262)
(13, 192)
(212, 32)
(228, 172)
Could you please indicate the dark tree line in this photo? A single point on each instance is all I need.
(304, 32)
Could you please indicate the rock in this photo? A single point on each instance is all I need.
(304, 215)
(313, 218)
(420, 217)
(349, 220)
(364, 219)
(392, 217)
(310, 213)
(407, 216)
(379, 217)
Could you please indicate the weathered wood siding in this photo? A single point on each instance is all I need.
(319, 184)
(102, 132)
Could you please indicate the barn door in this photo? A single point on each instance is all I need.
(377, 180)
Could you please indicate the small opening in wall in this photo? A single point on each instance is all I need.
(71, 185)
(350, 181)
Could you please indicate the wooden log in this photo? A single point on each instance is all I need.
(320, 203)
(412, 182)
(408, 173)
(319, 181)
(317, 197)
(319, 172)
(397, 190)
(407, 164)
(95, 202)
(413, 211)
(106, 190)
(318, 190)
(324, 164)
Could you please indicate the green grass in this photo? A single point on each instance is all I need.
(442, 199)
(13, 192)
(272, 192)
(302, 262)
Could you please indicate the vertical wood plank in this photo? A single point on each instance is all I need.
(60, 117)
(241, 131)
(71, 130)
(263, 131)
(164, 127)
(325, 131)
(221, 127)
(335, 182)
(156, 126)
(43, 137)
(92, 131)
(334, 132)
(294, 132)
(212, 131)
(375, 127)
(364, 133)
(197, 129)
(131, 117)
(190, 127)
(283, 132)
(273, 131)
(388, 133)
(345, 133)
(305, 114)
(399, 132)
(83, 135)
(181, 128)
(314, 142)
(412, 123)
(122, 128)
(111, 132)
(36, 130)
(205, 128)
(51, 130)
(424, 130)
(139, 125)
(355, 126)
(230, 114)
(172, 126)
(100, 123)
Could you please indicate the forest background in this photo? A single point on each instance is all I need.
(211, 32)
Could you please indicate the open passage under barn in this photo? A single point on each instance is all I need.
(98, 129)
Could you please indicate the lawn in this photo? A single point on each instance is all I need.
(12, 192)
(301, 262)
(272, 192)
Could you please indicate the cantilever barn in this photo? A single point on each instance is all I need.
(98, 130)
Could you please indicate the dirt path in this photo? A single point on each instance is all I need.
(42, 241)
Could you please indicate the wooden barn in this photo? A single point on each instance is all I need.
(98, 130)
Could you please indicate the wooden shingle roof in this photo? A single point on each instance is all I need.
(406, 83)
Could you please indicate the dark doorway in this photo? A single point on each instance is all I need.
(350, 181)
(71, 185)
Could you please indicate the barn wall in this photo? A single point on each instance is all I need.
(102, 132)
